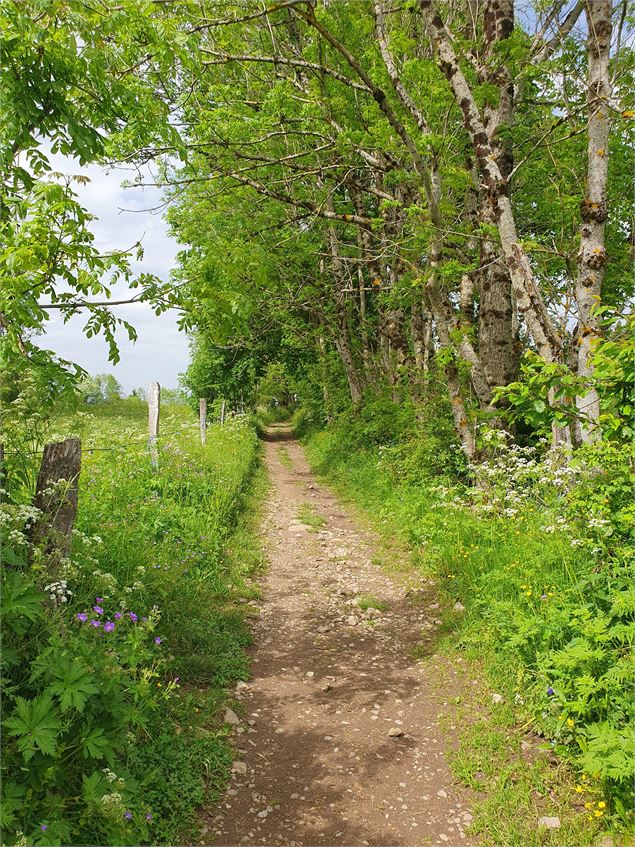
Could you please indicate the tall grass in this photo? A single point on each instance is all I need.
(538, 555)
(168, 544)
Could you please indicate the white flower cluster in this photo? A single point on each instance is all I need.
(112, 805)
(17, 537)
(107, 580)
(111, 776)
(58, 592)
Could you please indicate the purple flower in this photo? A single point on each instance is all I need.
(177, 678)
(43, 827)
(550, 692)
(128, 815)
(109, 626)
(149, 816)
(157, 640)
(117, 616)
(95, 623)
(144, 619)
(99, 599)
(98, 610)
(82, 616)
(132, 616)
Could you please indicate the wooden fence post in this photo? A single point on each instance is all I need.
(202, 418)
(56, 496)
(154, 405)
(222, 413)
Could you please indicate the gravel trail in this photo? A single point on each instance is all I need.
(339, 739)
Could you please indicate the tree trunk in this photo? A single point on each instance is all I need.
(496, 322)
(526, 292)
(56, 498)
(342, 337)
(592, 257)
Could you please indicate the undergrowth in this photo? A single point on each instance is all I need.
(536, 549)
(114, 672)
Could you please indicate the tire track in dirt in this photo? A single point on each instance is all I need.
(339, 740)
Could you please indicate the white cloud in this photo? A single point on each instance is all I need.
(161, 351)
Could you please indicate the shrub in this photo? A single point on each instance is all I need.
(101, 662)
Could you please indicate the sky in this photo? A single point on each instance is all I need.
(161, 351)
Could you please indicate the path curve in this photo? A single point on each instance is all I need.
(340, 740)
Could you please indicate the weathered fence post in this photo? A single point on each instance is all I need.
(222, 412)
(202, 418)
(56, 496)
(154, 405)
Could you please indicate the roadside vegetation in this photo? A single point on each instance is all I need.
(536, 552)
(115, 665)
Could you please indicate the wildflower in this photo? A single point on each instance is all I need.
(82, 616)
(99, 599)
(128, 815)
(117, 616)
(109, 626)
(132, 616)
(598, 813)
(43, 827)
(157, 640)
(177, 678)
(543, 596)
(601, 805)
(95, 623)
(570, 722)
(98, 610)
(527, 593)
(588, 805)
(149, 816)
(550, 692)
(579, 789)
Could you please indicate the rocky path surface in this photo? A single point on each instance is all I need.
(338, 737)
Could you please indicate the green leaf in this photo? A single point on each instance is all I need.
(95, 744)
(36, 725)
(12, 801)
(74, 686)
(21, 602)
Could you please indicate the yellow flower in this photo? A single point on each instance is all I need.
(584, 777)
(570, 722)
(601, 805)
(549, 593)
(588, 805)
(527, 593)
(579, 789)
(598, 813)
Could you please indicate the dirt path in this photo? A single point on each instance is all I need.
(339, 741)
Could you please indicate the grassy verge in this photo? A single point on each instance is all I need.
(153, 627)
(550, 633)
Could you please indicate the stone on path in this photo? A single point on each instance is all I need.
(231, 717)
(549, 822)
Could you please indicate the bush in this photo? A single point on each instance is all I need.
(537, 550)
(107, 654)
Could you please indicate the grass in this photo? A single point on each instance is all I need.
(182, 539)
(369, 601)
(308, 516)
(285, 458)
(525, 601)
